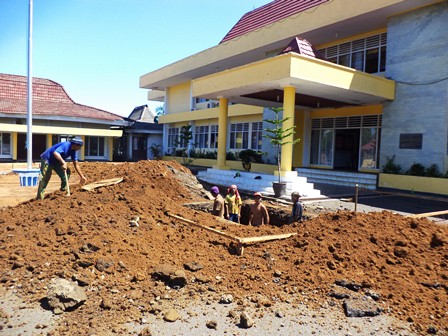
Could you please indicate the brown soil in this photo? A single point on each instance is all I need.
(403, 260)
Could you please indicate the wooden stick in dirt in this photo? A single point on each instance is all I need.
(237, 239)
(68, 186)
(429, 214)
(266, 238)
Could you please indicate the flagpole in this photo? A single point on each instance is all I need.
(29, 121)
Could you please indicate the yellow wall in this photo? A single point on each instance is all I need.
(208, 122)
(212, 113)
(178, 98)
(414, 183)
(245, 118)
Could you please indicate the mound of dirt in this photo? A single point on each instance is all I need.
(119, 243)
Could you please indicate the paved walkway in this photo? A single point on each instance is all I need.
(393, 200)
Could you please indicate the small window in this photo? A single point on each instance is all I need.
(411, 141)
(5, 144)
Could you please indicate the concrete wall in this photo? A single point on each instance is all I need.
(417, 52)
(178, 98)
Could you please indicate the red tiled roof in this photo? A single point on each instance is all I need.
(272, 12)
(49, 99)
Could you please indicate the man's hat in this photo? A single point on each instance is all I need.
(77, 141)
(215, 190)
(257, 194)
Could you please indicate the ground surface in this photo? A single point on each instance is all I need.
(284, 284)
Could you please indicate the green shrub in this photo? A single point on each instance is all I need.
(230, 156)
(250, 155)
(391, 167)
(433, 171)
(417, 169)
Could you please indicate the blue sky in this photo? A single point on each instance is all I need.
(98, 49)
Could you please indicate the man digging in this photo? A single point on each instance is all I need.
(54, 159)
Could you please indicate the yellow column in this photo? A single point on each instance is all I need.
(289, 94)
(222, 133)
(82, 150)
(14, 146)
(48, 140)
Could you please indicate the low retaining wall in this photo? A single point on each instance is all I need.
(432, 185)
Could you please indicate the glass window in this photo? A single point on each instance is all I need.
(60, 138)
(368, 148)
(326, 147)
(239, 136)
(344, 60)
(372, 60)
(94, 146)
(5, 144)
(367, 54)
(173, 137)
(358, 60)
(383, 59)
(315, 136)
(201, 137)
(257, 135)
(214, 136)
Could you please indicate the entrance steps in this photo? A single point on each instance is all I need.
(342, 178)
(258, 182)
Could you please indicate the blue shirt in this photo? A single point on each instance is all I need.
(64, 149)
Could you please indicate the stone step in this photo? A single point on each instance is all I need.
(255, 182)
(349, 179)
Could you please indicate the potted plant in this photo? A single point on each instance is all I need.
(247, 156)
(278, 136)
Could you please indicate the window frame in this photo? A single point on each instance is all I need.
(3, 145)
(101, 150)
(353, 54)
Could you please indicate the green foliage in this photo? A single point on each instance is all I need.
(230, 156)
(203, 154)
(277, 135)
(417, 169)
(391, 167)
(433, 171)
(185, 137)
(156, 150)
(250, 155)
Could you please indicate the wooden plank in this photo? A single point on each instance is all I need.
(66, 179)
(102, 183)
(237, 239)
(266, 238)
(429, 214)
